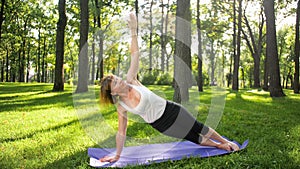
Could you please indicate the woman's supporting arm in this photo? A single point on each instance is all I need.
(134, 50)
(120, 137)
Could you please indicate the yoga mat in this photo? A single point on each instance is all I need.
(155, 153)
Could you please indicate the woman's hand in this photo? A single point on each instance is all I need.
(110, 159)
(132, 22)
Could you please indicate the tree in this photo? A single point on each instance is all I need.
(235, 82)
(1, 17)
(255, 46)
(60, 37)
(297, 49)
(83, 54)
(151, 36)
(182, 59)
(229, 75)
(272, 51)
(200, 78)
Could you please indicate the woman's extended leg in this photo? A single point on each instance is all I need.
(178, 122)
(223, 143)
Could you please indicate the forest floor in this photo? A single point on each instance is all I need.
(44, 129)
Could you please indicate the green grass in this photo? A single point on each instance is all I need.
(44, 129)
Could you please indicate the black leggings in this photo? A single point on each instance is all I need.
(177, 122)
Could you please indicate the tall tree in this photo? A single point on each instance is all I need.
(182, 59)
(1, 17)
(60, 43)
(235, 82)
(255, 46)
(83, 54)
(230, 74)
(162, 37)
(151, 36)
(297, 50)
(272, 50)
(199, 66)
(100, 70)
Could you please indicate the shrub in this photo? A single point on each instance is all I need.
(164, 79)
(149, 78)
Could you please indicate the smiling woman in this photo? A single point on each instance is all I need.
(167, 117)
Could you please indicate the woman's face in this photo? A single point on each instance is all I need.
(117, 85)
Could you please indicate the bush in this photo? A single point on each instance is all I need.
(149, 78)
(164, 79)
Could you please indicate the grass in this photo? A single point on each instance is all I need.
(44, 129)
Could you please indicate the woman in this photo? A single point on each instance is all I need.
(167, 117)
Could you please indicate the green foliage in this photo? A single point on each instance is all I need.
(164, 79)
(150, 77)
(157, 77)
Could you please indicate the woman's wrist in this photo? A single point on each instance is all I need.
(133, 30)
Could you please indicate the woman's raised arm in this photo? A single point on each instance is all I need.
(134, 50)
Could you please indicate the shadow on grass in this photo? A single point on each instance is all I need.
(79, 159)
(267, 123)
(32, 101)
(36, 132)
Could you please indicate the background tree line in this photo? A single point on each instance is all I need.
(236, 43)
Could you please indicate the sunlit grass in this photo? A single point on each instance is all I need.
(44, 129)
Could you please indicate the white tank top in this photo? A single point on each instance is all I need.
(150, 108)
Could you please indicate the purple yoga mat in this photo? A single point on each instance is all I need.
(155, 153)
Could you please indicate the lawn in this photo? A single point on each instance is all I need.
(44, 129)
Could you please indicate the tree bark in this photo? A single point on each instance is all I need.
(39, 58)
(1, 17)
(83, 55)
(150, 38)
(297, 50)
(100, 68)
(182, 59)
(200, 74)
(60, 36)
(235, 82)
(272, 51)
(162, 38)
(7, 66)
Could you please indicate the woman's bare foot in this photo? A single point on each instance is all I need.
(229, 146)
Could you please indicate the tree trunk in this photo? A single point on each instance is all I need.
(93, 55)
(255, 47)
(2, 70)
(150, 38)
(200, 75)
(22, 66)
(39, 58)
(182, 59)
(100, 68)
(266, 74)
(272, 51)
(1, 17)
(28, 63)
(212, 57)
(7, 66)
(60, 35)
(297, 49)
(162, 37)
(235, 83)
(44, 60)
(83, 55)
